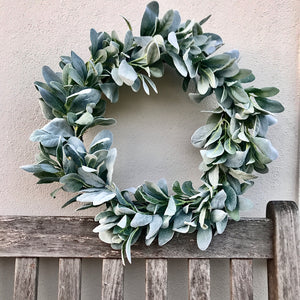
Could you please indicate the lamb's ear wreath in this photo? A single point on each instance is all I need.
(233, 143)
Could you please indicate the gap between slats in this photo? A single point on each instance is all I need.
(241, 274)
(69, 279)
(26, 277)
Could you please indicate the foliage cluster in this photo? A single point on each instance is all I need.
(233, 143)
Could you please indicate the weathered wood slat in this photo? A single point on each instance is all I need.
(26, 278)
(112, 279)
(69, 236)
(241, 279)
(283, 269)
(69, 279)
(156, 279)
(199, 279)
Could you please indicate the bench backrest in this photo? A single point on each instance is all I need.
(70, 239)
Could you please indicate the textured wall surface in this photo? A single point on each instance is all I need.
(152, 135)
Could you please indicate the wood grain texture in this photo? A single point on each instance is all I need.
(241, 276)
(73, 237)
(112, 279)
(26, 278)
(199, 279)
(283, 269)
(69, 279)
(156, 279)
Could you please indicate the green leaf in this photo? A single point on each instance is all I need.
(180, 220)
(128, 41)
(188, 188)
(40, 168)
(127, 73)
(154, 190)
(230, 70)
(137, 85)
(123, 222)
(179, 64)
(154, 226)
(217, 62)
(69, 202)
(145, 86)
(94, 41)
(231, 198)
(172, 39)
(218, 200)
(162, 184)
(187, 57)
(115, 76)
(236, 160)
(242, 74)
(215, 152)
(213, 176)
(111, 91)
(199, 137)
(110, 161)
(106, 236)
(263, 92)
(165, 23)
(129, 243)
(78, 102)
(85, 119)
(157, 69)
(272, 106)
(218, 215)
(149, 19)
(90, 178)
(97, 198)
(204, 20)
(229, 146)
(204, 237)
(238, 94)
(141, 220)
(98, 121)
(153, 54)
(221, 226)
(50, 134)
(102, 140)
(164, 236)
(176, 22)
(59, 127)
(214, 136)
(265, 147)
(45, 138)
(202, 85)
(128, 23)
(79, 65)
(46, 110)
(208, 73)
(241, 176)
(76, 77)
(171, 208)
(176, 188)
(235, 214)
(51, 100)
(151, 83)
(49, 75)
(72, 182)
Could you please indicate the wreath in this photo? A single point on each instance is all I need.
(233, 142)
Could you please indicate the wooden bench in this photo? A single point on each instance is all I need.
(70, 239)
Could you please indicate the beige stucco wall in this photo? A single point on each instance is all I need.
(152, 135)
